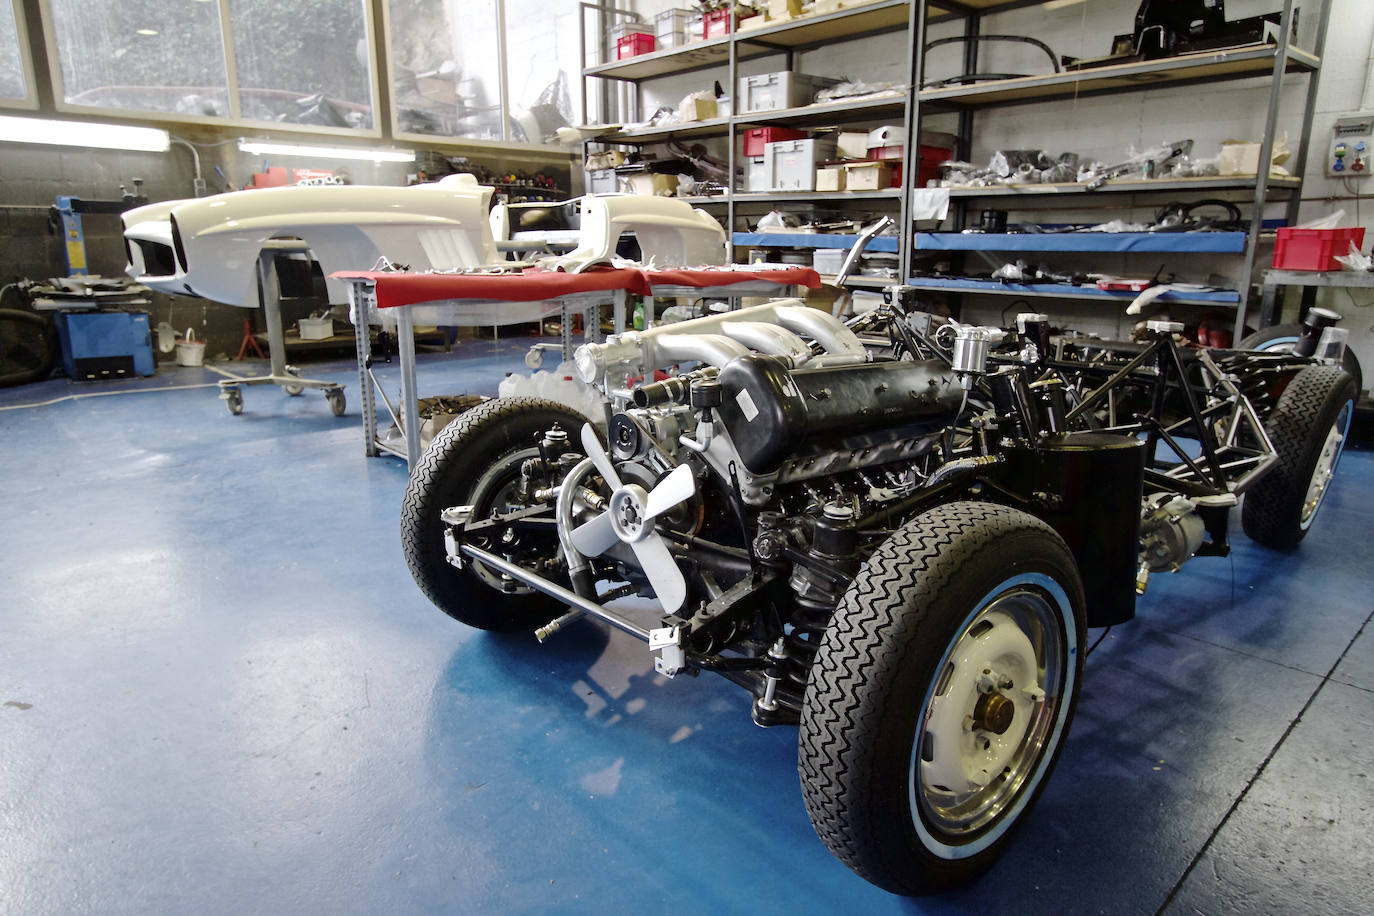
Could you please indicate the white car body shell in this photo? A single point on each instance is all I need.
(208, 247)
(439, 226)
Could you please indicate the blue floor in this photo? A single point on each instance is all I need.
(220, 692)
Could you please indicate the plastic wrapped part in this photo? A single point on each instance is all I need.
(772, 413)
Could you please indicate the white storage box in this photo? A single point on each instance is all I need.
(316, 328)
(784, 89)
(602, 181)
(828, 260)
(670, 28)
(758, 173)
(793, 162)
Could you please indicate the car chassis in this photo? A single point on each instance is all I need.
(893, 535)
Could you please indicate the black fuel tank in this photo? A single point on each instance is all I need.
(770, 411)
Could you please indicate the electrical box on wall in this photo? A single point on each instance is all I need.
(1351, 140)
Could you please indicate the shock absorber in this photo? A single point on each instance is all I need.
(834, 549)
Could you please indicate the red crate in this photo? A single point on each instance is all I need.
(1314, 249)
(716, 23)
(756, 137)
(929, 166)
(633, 45)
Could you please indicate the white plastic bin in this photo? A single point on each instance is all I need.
(793, 162)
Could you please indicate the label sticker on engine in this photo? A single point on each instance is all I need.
(746, 405)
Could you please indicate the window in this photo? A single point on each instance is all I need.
(543, 88)
(14, 83)
(143, 55)
(447, 68)
(303, 62)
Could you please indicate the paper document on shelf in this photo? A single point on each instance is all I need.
(929, 203)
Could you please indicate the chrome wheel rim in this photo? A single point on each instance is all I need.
(1325, 469)
(992, 712)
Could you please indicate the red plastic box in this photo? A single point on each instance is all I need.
(716, 23)
(756, 137)
(1314, 249)
(929, 166)
(633, 45)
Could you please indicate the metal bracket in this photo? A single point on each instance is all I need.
(453, 554)
(671, 659)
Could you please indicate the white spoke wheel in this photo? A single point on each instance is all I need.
(941, 694)
(1308, 428)
(475, 460)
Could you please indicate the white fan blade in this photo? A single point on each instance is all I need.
(662, 571)
(677, 487)
(591, 444)
(595, 537)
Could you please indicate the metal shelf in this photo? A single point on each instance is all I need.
(1209, 66)
(716, 127)
(1100, 242)
(841, 25)
(883, 243)
(1129, 186)
(828, 113)
(1219, 298)
(744, 197)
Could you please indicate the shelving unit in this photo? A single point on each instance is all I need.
(1201, 68)
(915, 104)
(784, 40)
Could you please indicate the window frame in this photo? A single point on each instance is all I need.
(29, 101)
(234, 120)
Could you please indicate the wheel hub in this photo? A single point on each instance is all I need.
(994, 713)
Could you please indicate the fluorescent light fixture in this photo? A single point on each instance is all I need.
(89, 134)
(266, 148)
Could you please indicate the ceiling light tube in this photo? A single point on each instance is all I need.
(267, 148)
(88, 134)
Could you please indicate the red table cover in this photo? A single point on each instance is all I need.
(397, 288)
(727, 276)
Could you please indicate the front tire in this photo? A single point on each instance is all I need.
(475, 460)
(941, 695)
(1308, 428)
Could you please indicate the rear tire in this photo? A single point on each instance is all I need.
(1284, 337)
(905, 774)
(1308, 428)
(473, 461)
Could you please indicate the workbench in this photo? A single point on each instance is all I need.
(478, 298)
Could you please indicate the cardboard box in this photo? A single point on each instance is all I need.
(649, 185)
(830, 179)
(693, 108)
(852, 144)
(784, 9)
(867, 176)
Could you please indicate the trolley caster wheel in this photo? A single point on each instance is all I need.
(293, 390)
(534, 357)
(233, 400)
(337, 404)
